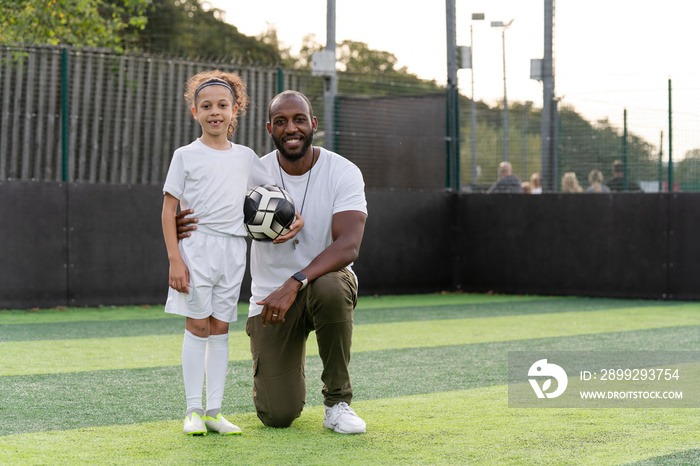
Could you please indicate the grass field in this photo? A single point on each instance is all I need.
(104, 386)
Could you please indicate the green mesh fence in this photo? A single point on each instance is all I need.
(125, 116)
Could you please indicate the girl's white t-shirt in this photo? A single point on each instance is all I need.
(214, 183)
(335, 185)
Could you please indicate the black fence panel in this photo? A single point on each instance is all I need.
(397, 141)
(116, 248)
(87, 244)
(33, 247)
(565, 244)
(684, 246)
(408, 241)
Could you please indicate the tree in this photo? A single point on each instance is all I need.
(309, 45)
(183, 28)
(365, 71)
(692, 154)
(269, 38)
(687, 171)
(585, 146)
(357, 57)
(79, 23)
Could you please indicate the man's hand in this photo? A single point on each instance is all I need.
(276, 305)
(294, 228)
(185, 225)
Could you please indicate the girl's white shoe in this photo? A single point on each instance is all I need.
(221, 425)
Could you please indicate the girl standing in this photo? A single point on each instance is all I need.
(211, 175)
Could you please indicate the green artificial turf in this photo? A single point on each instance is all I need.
(104, 386)
(69, 355)
(154, 394)
(457, 427)
(57, 324)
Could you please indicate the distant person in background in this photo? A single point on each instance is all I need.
(595, 178)
(618, 181)
(507, 182)
(526, 187)
(569, 183)
(536, 183)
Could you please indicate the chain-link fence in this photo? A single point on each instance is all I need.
(636, 135)
(101, 117)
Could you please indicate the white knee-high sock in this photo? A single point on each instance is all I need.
(193, 362)
(217, 367)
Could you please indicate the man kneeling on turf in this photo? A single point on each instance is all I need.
(306, 284)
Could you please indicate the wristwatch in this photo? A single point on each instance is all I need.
(301, 278)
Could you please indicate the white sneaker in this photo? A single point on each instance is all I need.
(221, 425)
(194, 425)
(342, 419)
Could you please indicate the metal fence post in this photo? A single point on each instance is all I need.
(661, 161)
(280, 80)
(670, 140)
(625, 177)
(453, 170)
(64, 114)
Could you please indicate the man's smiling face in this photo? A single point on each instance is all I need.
(291, 126)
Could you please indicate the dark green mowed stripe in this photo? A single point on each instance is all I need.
(500, 309)
(91, 329)
(688, 457)
(172, 326)
(84, 399)
(98, 398)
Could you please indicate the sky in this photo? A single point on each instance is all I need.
(609, 55)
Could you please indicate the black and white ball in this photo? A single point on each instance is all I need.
(268, 212)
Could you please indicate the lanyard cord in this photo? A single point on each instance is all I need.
(308, 179)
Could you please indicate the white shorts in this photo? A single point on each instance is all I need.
(216, 265)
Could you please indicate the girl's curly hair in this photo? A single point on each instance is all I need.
(232, 79)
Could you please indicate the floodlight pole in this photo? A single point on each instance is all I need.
(526, 111)
(504, 26)
(548, 132)
(475, 17)
(330, 89)
(505, 98)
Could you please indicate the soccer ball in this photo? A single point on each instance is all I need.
(268, 211)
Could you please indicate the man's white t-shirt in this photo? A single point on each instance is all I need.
(335, 185)
(214, 183)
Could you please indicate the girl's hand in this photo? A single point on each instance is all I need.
(179, 276)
